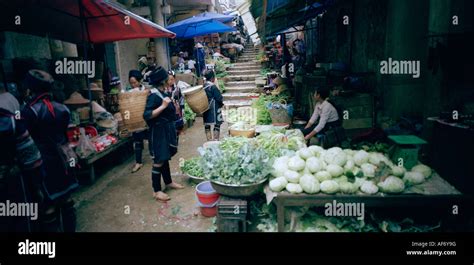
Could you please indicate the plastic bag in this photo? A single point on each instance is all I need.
(84, 146)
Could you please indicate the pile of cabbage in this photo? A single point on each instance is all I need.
(314, 169)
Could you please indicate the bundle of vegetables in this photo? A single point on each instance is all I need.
(248, 164)
(313, 169)
(277, 143)
(242, 126)
(234, 116)
(263, 115)
(220, 66)
(189, 115)
(192, 167)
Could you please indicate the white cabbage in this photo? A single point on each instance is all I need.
(368, 170)
(309, 184)
(335, 170)
(313, 164)
(315, 149)
(278, 184)
(329, 186)
(398, 171)
(369, 187)
(296, 163)
(347, 187)
(292, 176)
(294, 188)
(413, 177)
(323, 175)
(361, 157)
(423, 169)
(392, 184)
(305, 153)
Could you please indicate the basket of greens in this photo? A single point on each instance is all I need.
(236, 170)
(192, 169)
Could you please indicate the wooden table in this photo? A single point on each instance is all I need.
(436, 191)
(90, 160)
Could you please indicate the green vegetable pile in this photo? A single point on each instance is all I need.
(263, 115)
(192, 167)
(277, 143)
(189, 115)
(248, 164)
(310, 220)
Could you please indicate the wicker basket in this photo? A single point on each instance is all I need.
(197, 99)
(248, 134)
(132, 106)
(280, 115)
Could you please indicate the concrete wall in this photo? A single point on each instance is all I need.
(126, 56)
(407, 23)
(17, 45)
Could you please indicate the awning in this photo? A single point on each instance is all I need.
(198, 26)
(284, 16)
(103, 20)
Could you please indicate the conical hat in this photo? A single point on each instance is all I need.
(76, 99)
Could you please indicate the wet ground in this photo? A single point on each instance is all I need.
(121, 201)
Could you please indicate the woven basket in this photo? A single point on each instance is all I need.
(248, 134)
(132, 106)
(197, 99)
(280, 116)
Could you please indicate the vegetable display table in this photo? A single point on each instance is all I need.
(89, 161)
(435, 192)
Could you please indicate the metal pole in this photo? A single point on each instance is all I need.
(85, 31)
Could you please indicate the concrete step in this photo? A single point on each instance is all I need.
(245, 67)
(240, 83)
(242, 77)
(237, 96)
(240, 89)
(249, 63)
(237, 103)
(243, 72)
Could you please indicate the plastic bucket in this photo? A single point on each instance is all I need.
(208, 210)
(205, 193)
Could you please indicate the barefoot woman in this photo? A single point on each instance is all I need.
(161, 116)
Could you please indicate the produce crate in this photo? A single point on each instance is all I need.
(231, 215)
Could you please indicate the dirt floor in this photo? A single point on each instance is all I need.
(121, 201)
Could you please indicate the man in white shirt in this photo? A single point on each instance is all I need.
(325, 112)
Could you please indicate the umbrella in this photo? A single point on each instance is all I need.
(198, 28)
(78, 21)
(219, 17)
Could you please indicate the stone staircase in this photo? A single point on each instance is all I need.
(240, 82)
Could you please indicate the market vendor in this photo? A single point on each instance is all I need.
(178, 100)
(329, 124)
(213, 115)
(200, 56)
(135, 79)
(47, 121)
(160, 116)
(21, 176)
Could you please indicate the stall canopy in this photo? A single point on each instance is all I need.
(275, 16)
(197, 26)
(219, 17)
(94, 21)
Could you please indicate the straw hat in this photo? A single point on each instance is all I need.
(76, 99)
(94, 87)
(107, 124)
(278, 80)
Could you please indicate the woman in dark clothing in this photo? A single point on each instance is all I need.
(47, 122)
(161, 116)
(213, 116)
(178, 101)
(20, 166)
(135, 79)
